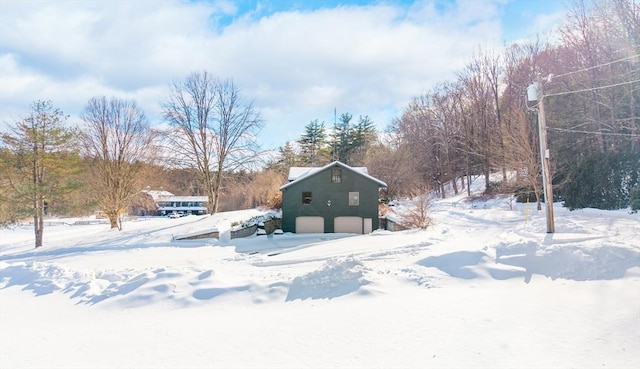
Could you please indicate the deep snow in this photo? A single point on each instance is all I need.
(485, 286)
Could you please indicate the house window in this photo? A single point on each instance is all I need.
(306, 197)
(336, 175)
(354, 198)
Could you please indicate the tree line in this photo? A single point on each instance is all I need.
(482, 121)
(479, 123)
(114, 152)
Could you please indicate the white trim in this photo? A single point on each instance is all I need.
(298, 174)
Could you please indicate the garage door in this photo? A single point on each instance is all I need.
(309, 225)
(347, 225)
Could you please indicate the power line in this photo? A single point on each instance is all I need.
(597, 66)
(592, 132)
(593, 88)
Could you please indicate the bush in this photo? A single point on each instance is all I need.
(524, 194)
(602, 181)
(495, 187)
(634, 199)
(416, 216)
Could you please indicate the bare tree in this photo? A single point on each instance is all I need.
(37, 160)
(480, 79)
(416, 214)
(256, 189)
(213, 130)
(392, 161)
(522, 155)
(519, 133)
(117, 138)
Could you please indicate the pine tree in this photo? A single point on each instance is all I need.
(362, 136)
(40, 156)
(287, 158)
(313, 144)
(341, 138)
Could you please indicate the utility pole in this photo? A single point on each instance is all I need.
(335, 143)
(544, 152)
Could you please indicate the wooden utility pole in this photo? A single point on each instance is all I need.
(544, 158)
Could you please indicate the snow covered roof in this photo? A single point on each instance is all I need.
(157, 194)
(161, 195)
(185, 198)
(298, 173)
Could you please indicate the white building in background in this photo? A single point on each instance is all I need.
(168, 203)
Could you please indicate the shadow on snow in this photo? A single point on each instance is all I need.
(526, 259)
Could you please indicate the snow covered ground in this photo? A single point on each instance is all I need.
(484, 287)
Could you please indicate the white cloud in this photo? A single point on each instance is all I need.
(296, 65)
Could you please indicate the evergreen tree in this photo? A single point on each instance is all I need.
(362, 136)
(313, 144)
(40, 157)
(341, 138)
(287, 158)
(607, 181)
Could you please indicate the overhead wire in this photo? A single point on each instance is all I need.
(596, 66)
(592, 88)
(593, 132)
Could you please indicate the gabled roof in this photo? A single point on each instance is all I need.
(157, 194)
(161, 195)
(297, 174)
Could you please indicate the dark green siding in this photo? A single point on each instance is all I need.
(323, 190)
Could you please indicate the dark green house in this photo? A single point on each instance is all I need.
(335, 198)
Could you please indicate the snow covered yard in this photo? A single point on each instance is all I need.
(485, 287)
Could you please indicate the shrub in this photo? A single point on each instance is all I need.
(634, 199)
(416, 216)
(602, 181)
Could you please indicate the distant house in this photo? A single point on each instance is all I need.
(165, 203)
(335, 198)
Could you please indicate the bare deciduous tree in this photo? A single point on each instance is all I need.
(523, 156)
(478, 82)
(257, 189)
(392, 161)
(416, 215)
(117, 138)
(519, 133)
(213, 130)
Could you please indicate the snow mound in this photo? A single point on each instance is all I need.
(337, 277)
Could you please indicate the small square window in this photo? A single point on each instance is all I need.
(336, 175)
(306, 197)
(354, 198)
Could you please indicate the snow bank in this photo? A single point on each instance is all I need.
(338, 277)
(483, 285)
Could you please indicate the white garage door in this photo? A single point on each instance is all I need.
(309, 225)
(347, 225)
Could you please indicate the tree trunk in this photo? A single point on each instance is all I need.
(38, 225)
(38, 216)
(218, 185)
(211, 197)
(487, 173)
(113, 219)
(468, 179)
(455, 184)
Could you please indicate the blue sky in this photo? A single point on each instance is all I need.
(296, 60)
